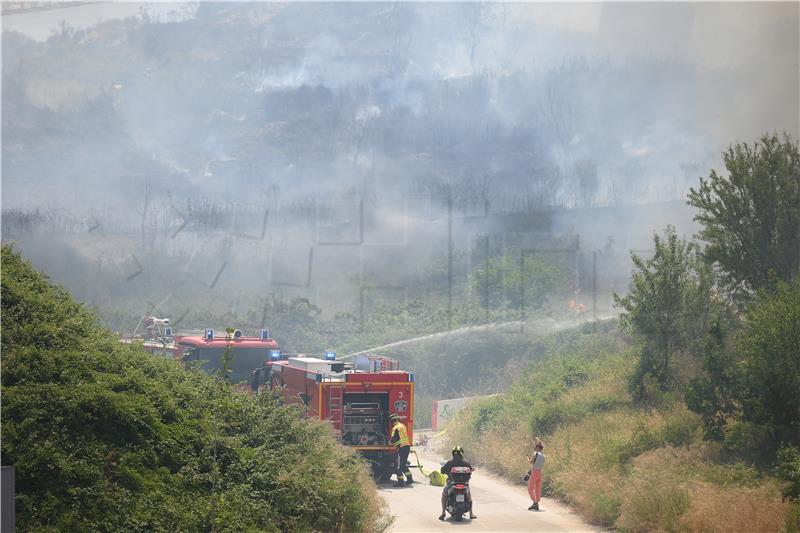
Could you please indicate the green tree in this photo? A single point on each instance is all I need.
(769, 346)
(753, 381)
(670, 306)
(751, 217)
(788, 470)
(715, 394)
(520, 282)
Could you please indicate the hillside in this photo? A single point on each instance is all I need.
(293, 99)
(617, 463)
(104, 437)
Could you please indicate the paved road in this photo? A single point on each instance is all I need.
(500, 507)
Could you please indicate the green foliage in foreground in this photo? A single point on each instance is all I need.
(770, 349)
(748, 394)
(788, 469)
(104, 437)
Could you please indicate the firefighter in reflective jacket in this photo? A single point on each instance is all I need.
(399, 437)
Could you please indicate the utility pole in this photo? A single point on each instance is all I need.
(594, 289)
(577, 262)
(486, 278)
(449, 259)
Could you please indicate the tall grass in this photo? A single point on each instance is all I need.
(618, 465)
(736, 509)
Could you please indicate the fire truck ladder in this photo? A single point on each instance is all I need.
(335, 401)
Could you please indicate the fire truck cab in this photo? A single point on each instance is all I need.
(355, 398)
(207, 347)
(245, 352)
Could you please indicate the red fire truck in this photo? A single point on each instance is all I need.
(356, 398)
(246, 352)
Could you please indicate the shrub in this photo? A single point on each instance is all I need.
(750, 440)
(604, 507)
(485, 412)
(105, 437)
(653, 507)
(788, 470)
(736, 474)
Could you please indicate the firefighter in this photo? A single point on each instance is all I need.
(399, 437)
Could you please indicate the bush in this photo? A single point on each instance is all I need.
(750, 440)
(652, 506)
(788, 470)
(730, 475)
(604, 507)
(770, 345)
(485, 413)
(105, 437)
(660, 430)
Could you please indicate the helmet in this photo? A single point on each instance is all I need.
(394, 417)
(458, 450)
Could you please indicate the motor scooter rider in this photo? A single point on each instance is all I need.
(457, 460)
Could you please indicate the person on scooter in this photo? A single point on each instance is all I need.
(457, 460)
(399, 437)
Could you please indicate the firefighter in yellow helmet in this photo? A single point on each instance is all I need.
(399, 437)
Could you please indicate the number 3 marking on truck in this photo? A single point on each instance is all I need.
(400, 394)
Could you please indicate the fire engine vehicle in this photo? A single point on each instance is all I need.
(356, 398)
(246, 352)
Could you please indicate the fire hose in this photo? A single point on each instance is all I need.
(436, 478)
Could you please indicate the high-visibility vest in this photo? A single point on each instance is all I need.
(403, 432)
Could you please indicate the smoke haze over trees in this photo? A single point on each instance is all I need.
(335, 152)
(457, 176)
(572, 105)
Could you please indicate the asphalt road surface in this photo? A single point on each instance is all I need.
(499, 506)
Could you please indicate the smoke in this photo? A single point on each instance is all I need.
(320, 147)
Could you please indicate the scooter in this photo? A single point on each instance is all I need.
(457, 502)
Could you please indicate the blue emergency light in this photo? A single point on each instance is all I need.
(209, 336)
(264, 334)
(274, 355)
(330, 356)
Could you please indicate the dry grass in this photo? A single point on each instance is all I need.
(591, 491)
(623, 467)
(501, 448)
(655, 494)
(716, 509)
